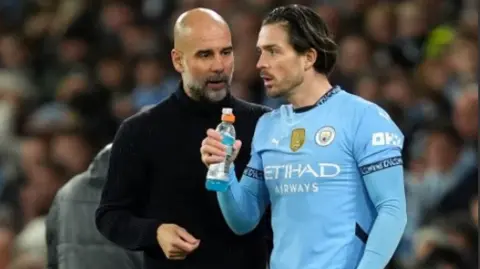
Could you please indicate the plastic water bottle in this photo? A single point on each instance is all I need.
(217, 176)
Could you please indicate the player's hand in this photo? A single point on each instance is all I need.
(175, 241)
(213, 151)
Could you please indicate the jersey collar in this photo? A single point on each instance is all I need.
(327, 96)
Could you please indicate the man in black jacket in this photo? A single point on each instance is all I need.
(155, 198)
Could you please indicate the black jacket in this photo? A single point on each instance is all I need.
(156, 176)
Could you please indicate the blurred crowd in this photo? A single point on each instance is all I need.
(72, 70)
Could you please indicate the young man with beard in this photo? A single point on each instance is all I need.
(329, 163)
(155, 198)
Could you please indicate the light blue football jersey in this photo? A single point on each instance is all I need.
(310, 166)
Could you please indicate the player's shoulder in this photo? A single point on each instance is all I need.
(274, 114)
(369, 117)
(359, 107)
(354, 103)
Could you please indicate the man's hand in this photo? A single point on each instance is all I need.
(175, 241)
(213, 151)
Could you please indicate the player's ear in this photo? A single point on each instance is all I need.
(177, 60)
(310, 58)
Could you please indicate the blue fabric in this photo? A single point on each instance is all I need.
(334, 178)
(387, 192)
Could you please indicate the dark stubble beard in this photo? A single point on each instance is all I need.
(286, 91)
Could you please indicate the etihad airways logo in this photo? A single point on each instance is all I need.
(297, 171)
(284, 177)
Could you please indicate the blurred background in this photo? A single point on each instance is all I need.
(72, 70)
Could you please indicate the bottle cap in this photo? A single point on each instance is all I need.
(227, 115)
(227, 110)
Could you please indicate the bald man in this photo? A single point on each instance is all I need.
(155, 199)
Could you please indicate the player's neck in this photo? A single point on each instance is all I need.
(310, 91)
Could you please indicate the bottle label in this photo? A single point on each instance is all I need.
(228, 141)
(220, 171)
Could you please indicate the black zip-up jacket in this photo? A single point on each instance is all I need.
(156, 176)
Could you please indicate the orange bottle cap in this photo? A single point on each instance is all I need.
(228, 118)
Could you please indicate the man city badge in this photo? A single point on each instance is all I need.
(325, 136)
(297, 139)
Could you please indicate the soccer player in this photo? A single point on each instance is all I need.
(329, 163)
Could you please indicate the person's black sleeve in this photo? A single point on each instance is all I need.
(117, 216)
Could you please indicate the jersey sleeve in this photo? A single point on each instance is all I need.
(244, 202)
(378, 151)
(253, 177)
(378, 142)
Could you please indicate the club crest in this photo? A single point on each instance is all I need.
(325, 136)
(297, 139)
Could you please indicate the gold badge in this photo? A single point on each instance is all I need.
(297, 139)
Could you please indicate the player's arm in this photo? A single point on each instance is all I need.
(117, 215)
(377, 147)
(244, 202)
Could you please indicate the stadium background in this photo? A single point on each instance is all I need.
(71, 70)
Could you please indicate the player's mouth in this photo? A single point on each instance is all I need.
(216, 84)
(267, 81)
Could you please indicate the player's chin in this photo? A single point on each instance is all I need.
(272, 92)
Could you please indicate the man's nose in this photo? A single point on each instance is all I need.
(261, 64)
(218, 65)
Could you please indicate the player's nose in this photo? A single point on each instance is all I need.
(261, 63)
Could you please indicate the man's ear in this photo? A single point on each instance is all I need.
(177, 60)
(310, 58)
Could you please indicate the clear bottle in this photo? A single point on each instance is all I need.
(217, 176)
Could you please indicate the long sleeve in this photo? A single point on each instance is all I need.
(118, 216)
(52, 235)
(244, 202)
(378, 151)
(387, 192)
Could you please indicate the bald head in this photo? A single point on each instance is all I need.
(203, 54)
(196, 22)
